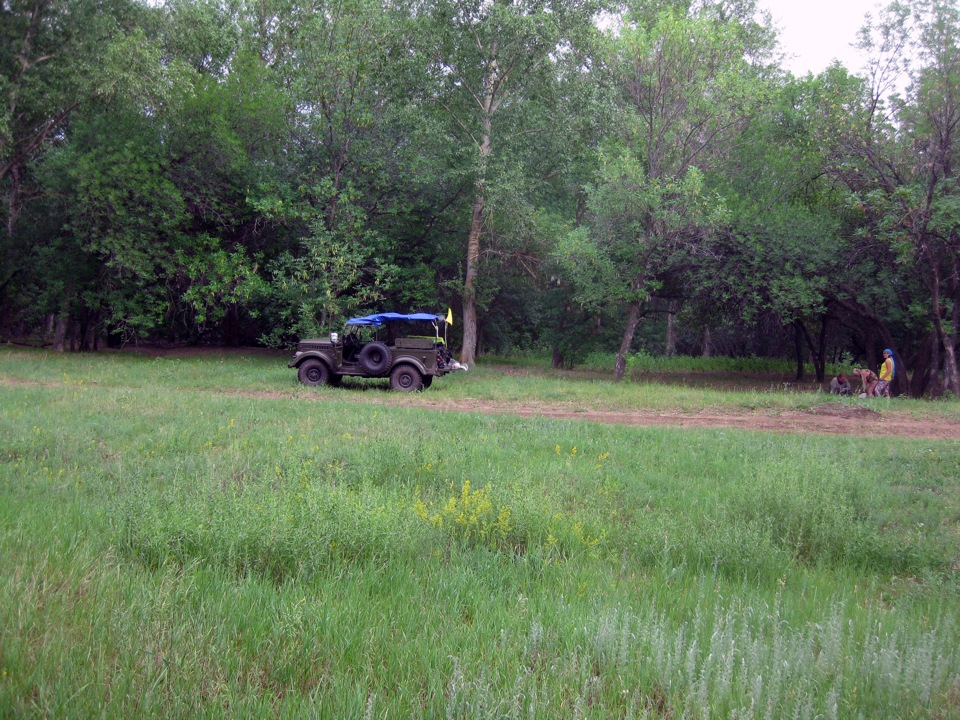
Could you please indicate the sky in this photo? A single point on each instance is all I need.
(815, 32)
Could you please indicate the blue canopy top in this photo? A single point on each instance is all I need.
(381, 318)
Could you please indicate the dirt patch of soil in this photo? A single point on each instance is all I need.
(845, 411)
(830, 421)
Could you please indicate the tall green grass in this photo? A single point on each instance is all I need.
(184, 538)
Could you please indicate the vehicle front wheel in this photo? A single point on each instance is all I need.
(314, 372)
(406, 378)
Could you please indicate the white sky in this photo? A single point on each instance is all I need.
(815, 32)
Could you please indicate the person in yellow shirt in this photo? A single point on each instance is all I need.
(887, 371)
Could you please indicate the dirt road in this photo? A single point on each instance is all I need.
(828, 419)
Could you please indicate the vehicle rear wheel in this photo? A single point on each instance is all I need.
(406, 378)
(375, 358)
(313, 372)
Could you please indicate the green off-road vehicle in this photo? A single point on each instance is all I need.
(406, 348)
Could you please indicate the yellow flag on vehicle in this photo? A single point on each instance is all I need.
(449, 316)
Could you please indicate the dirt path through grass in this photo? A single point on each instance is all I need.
(830, 418)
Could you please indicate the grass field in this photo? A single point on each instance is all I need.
(201, 537)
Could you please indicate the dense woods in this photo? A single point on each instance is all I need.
(567, 175)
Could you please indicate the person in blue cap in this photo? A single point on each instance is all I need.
(888, 369)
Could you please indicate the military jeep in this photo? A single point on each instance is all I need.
(406, 348)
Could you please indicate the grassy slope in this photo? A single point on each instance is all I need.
(170, 549)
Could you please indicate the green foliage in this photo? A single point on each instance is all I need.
(683, 90)
(470, 517)
(335, 273)
(895, 154)
(318, 289)
(216, 278)
(498, 74)
(55, 58)
(644, 226)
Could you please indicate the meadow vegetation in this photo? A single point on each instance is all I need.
(201, 537)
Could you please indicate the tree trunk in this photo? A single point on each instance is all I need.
(951, 380)
(920, 381)
(798, 347)
(470, 334)
(936, 386)
(231, 326)
(948, 340)
(558, 360)
(819, 351)
(633, 319)
(821, 364)
(707, 343)
(60, 332)
(468, 353)
(671, 348)
(84, 330)
(93, 340)
(13, 207)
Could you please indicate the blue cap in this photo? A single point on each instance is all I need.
(888, 351)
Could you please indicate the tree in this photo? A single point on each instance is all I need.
(339, 187)
(488, 65)
(686, 84)
(56, 57)
(149, 186)
(897, 155)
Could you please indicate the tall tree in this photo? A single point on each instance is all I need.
(487, 63)
(55, 57)
(686, 76)
(335, 179)
(897, 154)
(150, 190)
